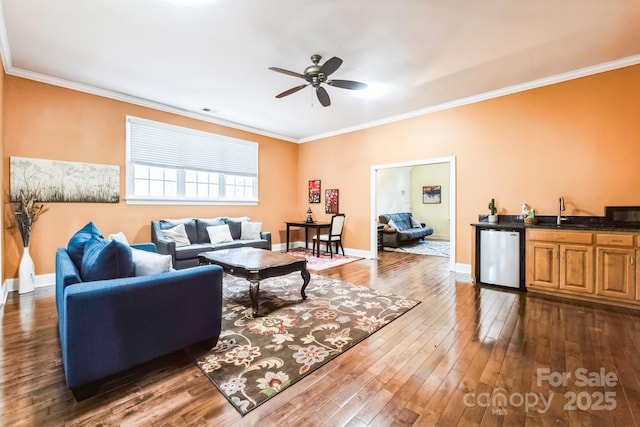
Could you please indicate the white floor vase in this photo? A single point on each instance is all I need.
(27, 273)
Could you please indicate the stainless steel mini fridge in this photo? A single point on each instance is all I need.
(500, 258)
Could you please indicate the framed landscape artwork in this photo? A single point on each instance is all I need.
(314, 191)
(331, 201)
(431, 194)
(61, 181)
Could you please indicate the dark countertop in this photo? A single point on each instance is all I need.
(582, 223)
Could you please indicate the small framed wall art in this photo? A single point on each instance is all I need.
(331, 197)
(314, 191)
(431, 194)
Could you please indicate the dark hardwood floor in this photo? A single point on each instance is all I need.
(466, 356)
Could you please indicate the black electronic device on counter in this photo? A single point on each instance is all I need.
(622, 216)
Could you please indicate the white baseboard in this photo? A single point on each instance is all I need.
(12, 285)
(463, 268)
(439, 237)
(4, 295)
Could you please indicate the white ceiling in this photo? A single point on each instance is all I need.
(216, 53)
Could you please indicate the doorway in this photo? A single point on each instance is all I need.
(452, 197)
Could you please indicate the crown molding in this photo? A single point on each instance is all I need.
(545, 81)
(5, 51)
(9, 69)
(18, 72)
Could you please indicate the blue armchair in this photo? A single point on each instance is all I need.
(107, 326)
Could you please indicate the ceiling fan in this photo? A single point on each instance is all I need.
(315, 75)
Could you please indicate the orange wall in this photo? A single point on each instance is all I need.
(49, 122)
(579, 139)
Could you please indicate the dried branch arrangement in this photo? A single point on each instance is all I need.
(27, 211)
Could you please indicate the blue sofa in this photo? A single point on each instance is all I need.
(401, 228)
(107, 326)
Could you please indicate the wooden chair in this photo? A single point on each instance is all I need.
(334, 236)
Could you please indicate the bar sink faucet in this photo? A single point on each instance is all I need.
(560, 210)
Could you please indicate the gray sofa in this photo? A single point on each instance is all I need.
(401, 228)
(196, 230)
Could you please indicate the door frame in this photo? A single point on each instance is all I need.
(452, 201)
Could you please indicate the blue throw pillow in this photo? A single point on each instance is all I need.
(75, 247)
(105, 259)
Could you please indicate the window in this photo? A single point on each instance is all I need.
(172, 164)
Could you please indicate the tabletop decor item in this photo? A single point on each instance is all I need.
(493, 218)
(309, 216)
(27, 210)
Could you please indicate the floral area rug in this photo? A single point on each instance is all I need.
(425, 247)
(324, 261)
(257, 358)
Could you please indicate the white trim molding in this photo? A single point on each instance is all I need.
(13, 284)
(464, 269)
(10, 69)
(509, 90)
(452, 201)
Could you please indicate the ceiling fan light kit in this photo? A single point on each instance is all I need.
(316, 75)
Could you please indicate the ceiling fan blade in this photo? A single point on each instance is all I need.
(330, 66)
(283, 71)
(290, 91)
(323, 96)
(347, 84)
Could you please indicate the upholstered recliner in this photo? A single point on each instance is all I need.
(401, 228)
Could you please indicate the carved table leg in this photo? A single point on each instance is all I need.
(306, 277)
(254, 289)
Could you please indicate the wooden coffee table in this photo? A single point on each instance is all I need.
(257, 264)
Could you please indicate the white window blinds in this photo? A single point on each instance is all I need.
(172, 164)
(161, 144)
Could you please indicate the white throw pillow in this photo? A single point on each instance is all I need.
(250, 231)
(145, 262)
(219, 233)
(415, 223)
(120, 237)
(392, 224)
(177, 234)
